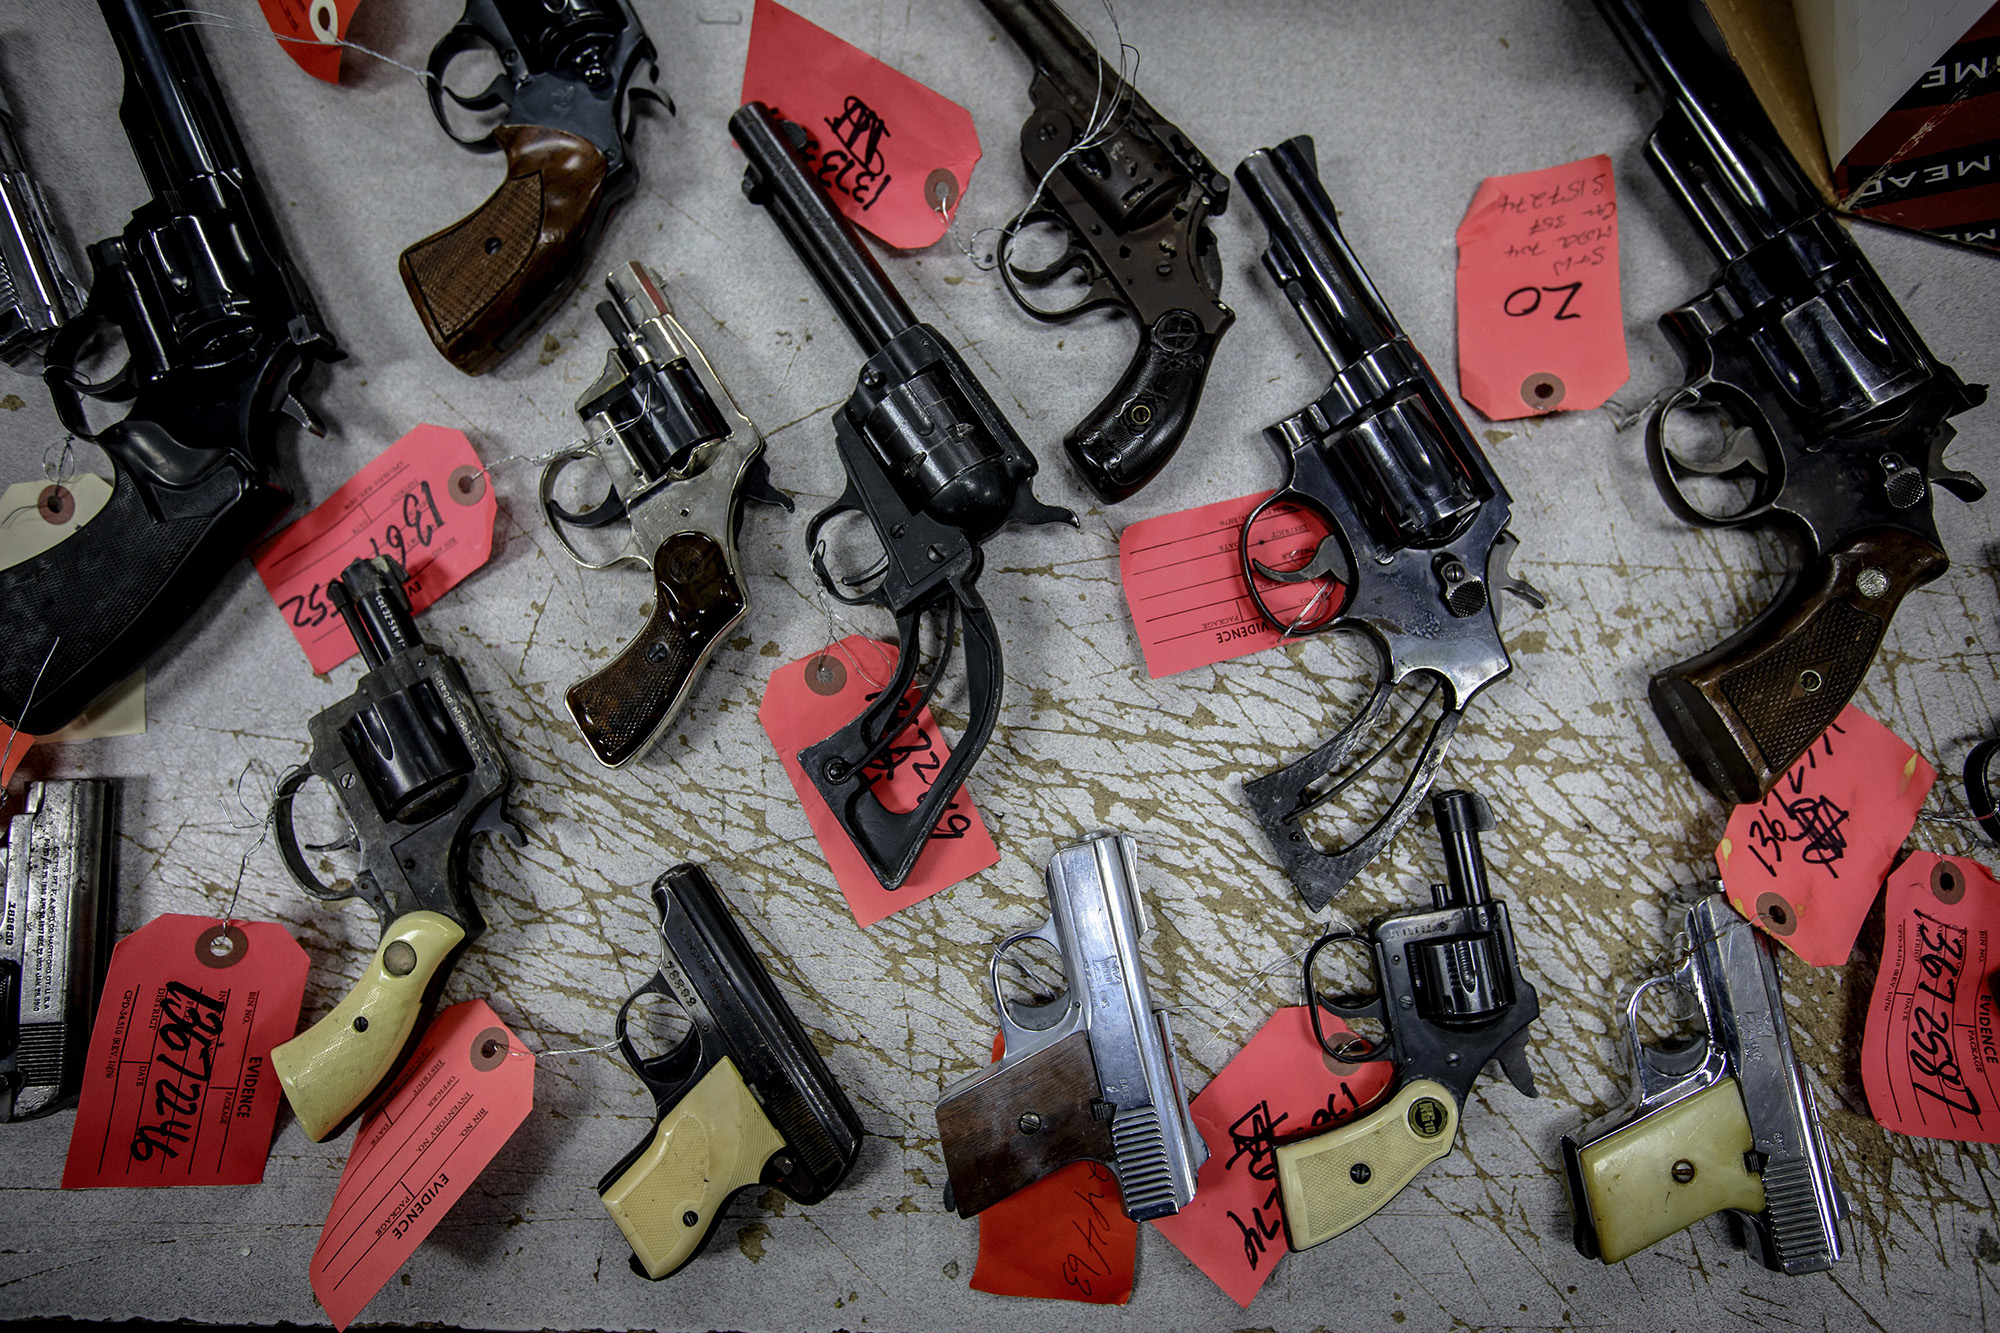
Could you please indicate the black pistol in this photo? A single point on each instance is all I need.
(1133, 197)
(1419, 517)
(1838, 416)
(1451, 995)
(567, 107)
(935, 467)
(744, 1098)
(417, 771)
(219, 329)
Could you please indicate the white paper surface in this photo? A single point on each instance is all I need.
(1863, 55)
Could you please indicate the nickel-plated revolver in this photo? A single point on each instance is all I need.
(1839, 415)
(417, 771)
(1419, 517)
(937, 469)
(1133, 196)
(1450, 993)
(38, 291)
(1723, 1121)
(682, 459)
(568, 107)
(744, 1098)
(1091, 1075)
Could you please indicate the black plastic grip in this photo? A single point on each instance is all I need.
(1126, 439)
(111, 592)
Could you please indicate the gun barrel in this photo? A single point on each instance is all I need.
(1100, 917)
(170, 111)
(371, 599)
(1716, 147)
(1059, 50)
(826, 243)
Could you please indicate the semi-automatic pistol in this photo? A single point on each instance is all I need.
(1722, 1121)
(744, 1098)
(1091, 1075)
(55, 941)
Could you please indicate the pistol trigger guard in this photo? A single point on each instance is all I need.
(288, 842)
(1745, 455)
(602, 515)
(662, 1074)
(1023, 1038)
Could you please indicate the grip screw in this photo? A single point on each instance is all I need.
(657, 653)
(1683, 1171)
(1139, 414)
(1810, 681)
(1031, 1122)
(1872, 582)
(1359, 1173)
(361, 1022)
(690, 1217)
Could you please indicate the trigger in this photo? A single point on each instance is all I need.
(1328, 560)
(609, 510)
(757, 485)
(1504, 579)
(1741, 452)
(295, 408)
(493, 819)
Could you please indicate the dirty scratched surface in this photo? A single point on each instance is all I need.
(1411, 106)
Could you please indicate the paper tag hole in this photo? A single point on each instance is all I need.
(489, 1050)
(1947, 884)
(1776, 915)
(222, 947)
(56, 505)
(466, 484)
(1543, 391)
(826, 675)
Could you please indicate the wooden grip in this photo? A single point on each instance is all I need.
(330, 1069)
(711, 1143)
(622, 708)
(482, 283)
(1743, 712)
(1014, 1123)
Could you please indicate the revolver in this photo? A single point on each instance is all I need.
(682, 459)
(744, 1098)
(417, 771)
(1090, 1075)
(1133, 197)
(219, 329)
(566, 108)
(1418, 516)
(38, 291)
(55, 941)
(1722, 1121)
(937, 470)
(1837, 417)
(1459, 1001)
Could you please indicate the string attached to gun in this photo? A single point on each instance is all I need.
(204, 18)
(14, 733)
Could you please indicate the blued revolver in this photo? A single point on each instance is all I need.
(1450, 993)
(1091, 1075)
(1722, 1121)
(56, 918)
(744, 1098)
(935, 467)
(567, 110)
(417, 771)
(1419, 522)
(219, 329)
(1838, 414)
(1133, 196)
(682, 459)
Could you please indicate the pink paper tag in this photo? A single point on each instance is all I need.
(810, 699)
(1805, 862)
(1183, 577)
(890, 151)
(310, 32)
(424, 500)
(1928, 1060)
(1278, 1086)
(178, 1089)
(14, 747)
(1540, 326)
(462, 1095)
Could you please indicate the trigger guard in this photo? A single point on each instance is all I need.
(1102, 291)
(1663, 461)
(558, 517)
(651, 1070)
(288, 841)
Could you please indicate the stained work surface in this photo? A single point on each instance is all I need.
(1411, 106)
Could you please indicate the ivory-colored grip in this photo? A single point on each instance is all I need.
(1666, 1172)
(712, 1143)
(1339, 1179)
(330, 1069)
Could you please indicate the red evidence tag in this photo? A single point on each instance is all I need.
(178, 1089)
(425, 501)
(1064, 1238)
(1183, 579)
(1805, 862)
(810, 699)
(1928, 1062)
(1280, 1084)
(890, 152)
(310, 32)
(14, 747)
(1540, 324)
(462, 1095)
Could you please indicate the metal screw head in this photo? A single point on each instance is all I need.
(1139, 414)
(1359, 1173)
(346, 779)
(361, 1022)
(1031, 1122)
(656, 653)
(872, 378)
(1810, 681)
(1405, 1002)
(690, 1217)
(935, 553)
(1871, 582)
(1683, 1171)
(782, 1164)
